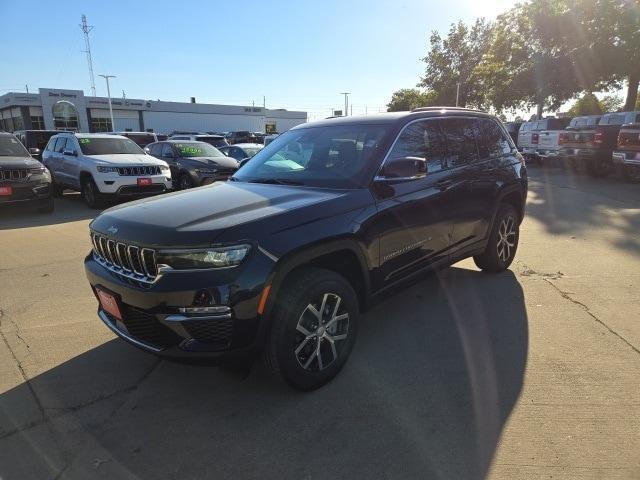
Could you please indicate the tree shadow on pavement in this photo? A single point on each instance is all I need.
(69, 208)
(434, 376)
(573, 203)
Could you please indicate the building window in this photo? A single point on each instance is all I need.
(65, 115)
(37, 122)
(100, 125)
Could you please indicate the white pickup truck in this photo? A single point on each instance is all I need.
(530, 134)
(550, 141)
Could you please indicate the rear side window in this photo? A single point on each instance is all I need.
(422, 140)
(167, 151)
(492, 141)
(461, 140)
(156, 149)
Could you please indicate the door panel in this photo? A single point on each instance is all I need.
(413, 220)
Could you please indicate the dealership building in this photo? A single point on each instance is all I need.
(56, 109)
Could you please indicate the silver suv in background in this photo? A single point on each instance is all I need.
(103, 166)
(529, 134)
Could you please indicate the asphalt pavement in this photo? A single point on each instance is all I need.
(532, 373)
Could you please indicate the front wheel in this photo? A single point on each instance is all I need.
(185, 182)
(92, 196)
(314, 327)
(503, 241)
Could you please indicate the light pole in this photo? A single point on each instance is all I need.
(457, 92)
(346, 102)
(107, 77)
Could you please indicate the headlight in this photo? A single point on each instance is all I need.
(164, 168)
(216, 257)
(37, 170)
(105, 169)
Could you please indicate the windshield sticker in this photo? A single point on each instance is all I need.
(188, 150)
(84, 140)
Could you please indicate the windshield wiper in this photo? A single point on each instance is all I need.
(276, 181)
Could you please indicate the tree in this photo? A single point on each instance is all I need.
(408, 99)
(588, 104)
(452, 60)
(611, 103)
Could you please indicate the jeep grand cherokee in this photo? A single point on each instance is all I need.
(284, 257)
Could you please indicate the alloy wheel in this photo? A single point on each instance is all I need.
(506, 238)
(89, 194)
(322, 328)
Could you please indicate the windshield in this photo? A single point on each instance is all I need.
(141, 139)
(197, 149)
(39, 139)
(215, 141)
(108, 146)
(333, 157)
(10, 147)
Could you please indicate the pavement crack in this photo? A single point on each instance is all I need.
(567, 296)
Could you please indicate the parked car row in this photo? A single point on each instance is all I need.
(599, 143)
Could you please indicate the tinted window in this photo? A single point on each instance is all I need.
(612, 120)
(461, 140)
(167, 151)
(60, 142)
(11, 147)
(422, 140)
(492, 142)
(156, 149)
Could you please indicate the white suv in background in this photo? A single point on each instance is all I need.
(103, 166)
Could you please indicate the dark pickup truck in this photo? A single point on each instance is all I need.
(627, 153)
(593, 146)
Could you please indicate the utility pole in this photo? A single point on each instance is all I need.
(457, 93)
(346, 102)
(264, 102)
(86, 29)
(107, 77)
(351, 114)
(27, 87)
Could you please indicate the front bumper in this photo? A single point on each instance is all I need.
(123, 186)
(548, 154)
(27, 193)
(626, 158)
(152, 319)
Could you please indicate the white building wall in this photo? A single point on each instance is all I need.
(166, 122)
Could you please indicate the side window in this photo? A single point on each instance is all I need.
(50, 144)
(70, 145)
(461, 141)
(167, 151)
(60, 143)
(156, 149)
(422, 140)
(492, 142)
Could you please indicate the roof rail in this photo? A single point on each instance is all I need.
(427, 109)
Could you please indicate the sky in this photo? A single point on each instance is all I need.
(298, 55)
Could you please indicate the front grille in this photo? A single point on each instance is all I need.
(146, 328)
(14, 174)
(128, 260)
(217, 331)
(141, 190)
(138, 171)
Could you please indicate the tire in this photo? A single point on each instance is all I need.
(91, 195)
(599, 167)
(185, 181)
(56, 188)
(47, 207)
(291, 349)
(632, 173)
(498, 254)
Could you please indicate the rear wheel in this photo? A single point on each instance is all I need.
(185, 182)
(600, 167)
(503, 241)
(92, 196)
(314, 328)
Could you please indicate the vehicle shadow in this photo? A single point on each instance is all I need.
(570, 202)
(69, 208)
(434, 376)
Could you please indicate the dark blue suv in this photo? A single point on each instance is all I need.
(283, 258)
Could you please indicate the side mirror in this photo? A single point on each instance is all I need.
(403, 168)
(71, 153)
(243, 161)
(34, 151)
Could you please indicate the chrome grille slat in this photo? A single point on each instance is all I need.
(14, 174)
(137, 171)
(129, 261)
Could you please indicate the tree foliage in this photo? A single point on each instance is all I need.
(452, 60)
(410, 98)
(589, 104)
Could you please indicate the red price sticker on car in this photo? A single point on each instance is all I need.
(109, 303)
(6, 191)
(144, 181)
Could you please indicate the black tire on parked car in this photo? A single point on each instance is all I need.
(48, 207)
(314, 328)
(599, 167)
(92, 196)
(185, 181)
(503, 241)
(56, 188)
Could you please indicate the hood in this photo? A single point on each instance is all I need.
(196, 217)
(128, 159)
(7, 163)
(224, 162)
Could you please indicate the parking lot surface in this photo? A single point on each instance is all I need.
(532, 373)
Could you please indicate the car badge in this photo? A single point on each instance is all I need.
(112, 229)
